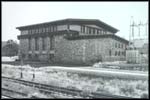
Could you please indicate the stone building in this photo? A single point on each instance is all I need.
(75, 41)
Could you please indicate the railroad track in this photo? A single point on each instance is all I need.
(49, 89)
(7, 92)
(6, 97)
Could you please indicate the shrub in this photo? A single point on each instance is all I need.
(144, 95)
(141, 86)
(127, 89)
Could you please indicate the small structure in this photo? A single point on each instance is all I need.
(137, 52)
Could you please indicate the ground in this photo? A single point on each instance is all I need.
(99, 82)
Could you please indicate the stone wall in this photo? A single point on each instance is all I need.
(96, 50)
(86, 51)
(83, 51)
(67, 51)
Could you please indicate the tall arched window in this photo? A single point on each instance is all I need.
(52, 42)
(43, 43)
(109, 52)
(29, 44)
(36, 44)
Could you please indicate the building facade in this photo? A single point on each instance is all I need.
(75, 41)
(137, 52)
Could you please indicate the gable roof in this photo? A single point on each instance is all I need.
(73, 21)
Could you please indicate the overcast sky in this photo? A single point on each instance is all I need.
(116, 14)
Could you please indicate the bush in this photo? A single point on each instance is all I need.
(144, 95)
(127, 89)
(140, 87)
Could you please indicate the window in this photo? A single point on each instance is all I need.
(93, 31)
(52, 42)
(29, 31)
(125, 47)
(115, 45)
(87, 30)
(118, 45)
(119, 53)
(43, 43)
(36, 44)
(68, 27)
(40, 30)
(97, 31)
(109, 52)
(36, 31)
(55, 28)
(100, 31)
(83, 29)
(90, 30)
(33, 31)
(122, 45)
(115, 53)
(51, 57)
(104, 32)
(36, 56)
(52, 29)
(29, 56)
(123, 53)
(44, 30)
(22, 32)
(30, 43)
(47, 29)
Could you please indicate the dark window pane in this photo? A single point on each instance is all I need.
(29, 44)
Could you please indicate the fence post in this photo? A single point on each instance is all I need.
(21, 58)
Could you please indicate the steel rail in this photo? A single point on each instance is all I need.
(14, 92)
(6, 96)
(49, 88)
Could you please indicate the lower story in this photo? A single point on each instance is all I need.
(75, 51)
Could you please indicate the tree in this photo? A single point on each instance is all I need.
(11, 48)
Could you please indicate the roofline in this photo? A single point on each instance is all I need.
(73, 21)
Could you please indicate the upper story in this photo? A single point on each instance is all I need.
(75, 26)
(71, 29)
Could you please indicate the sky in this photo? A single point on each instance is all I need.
(116, 14)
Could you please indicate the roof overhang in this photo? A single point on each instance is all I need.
(72, 21)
